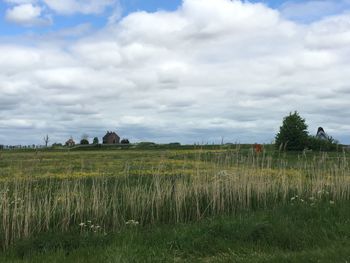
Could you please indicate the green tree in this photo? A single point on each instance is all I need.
(293, 135)
(84, 142)
(125, 141)
(95, 141)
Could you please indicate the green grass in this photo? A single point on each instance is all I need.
(290, 233)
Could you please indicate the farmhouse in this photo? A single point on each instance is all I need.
(111, 138)
(70, 142)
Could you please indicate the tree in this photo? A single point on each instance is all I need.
(293, 135)
(84, 142)
(125, 141)
(85, 136)
(95, 140)
(46, 140)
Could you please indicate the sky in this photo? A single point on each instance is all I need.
(191, 71)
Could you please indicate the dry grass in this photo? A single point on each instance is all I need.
(182, 192)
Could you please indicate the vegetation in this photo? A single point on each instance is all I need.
(124, 141)
(84, 142)
(293, 135)
(95, 141)
(318, 144)
(224, 202)
(317, 233)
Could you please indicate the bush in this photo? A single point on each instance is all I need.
(318, 144)
(84, 142)
(125, 141)
(293, 135)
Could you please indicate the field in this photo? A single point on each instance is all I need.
(201, 204)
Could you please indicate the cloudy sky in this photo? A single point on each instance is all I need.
(172, 71)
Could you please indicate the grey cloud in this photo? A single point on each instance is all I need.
(152, 76)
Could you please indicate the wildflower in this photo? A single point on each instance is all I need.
(302, 200)
(331, 202)
(82, 224)
(292, 199)
(132, 222)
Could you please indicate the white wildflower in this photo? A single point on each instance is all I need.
(132, 222)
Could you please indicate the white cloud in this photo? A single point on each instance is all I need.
(211, 68)
(30, 12)
(69, 7)
(27, 15)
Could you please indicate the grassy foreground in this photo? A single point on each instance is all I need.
(174, 205)
(296, 232)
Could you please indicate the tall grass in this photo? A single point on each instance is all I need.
(220, 184)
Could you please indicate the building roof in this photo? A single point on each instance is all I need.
(110, 134)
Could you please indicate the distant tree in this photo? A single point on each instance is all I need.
(293, 135)
(174, 144)
(124, 141)
(57, 144)
(85, 136)
(84, 142)
(95, 141)
(46, 140)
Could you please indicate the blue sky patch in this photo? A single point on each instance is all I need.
(299, 11)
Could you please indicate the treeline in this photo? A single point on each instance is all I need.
(14, 147)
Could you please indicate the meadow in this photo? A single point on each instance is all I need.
(206, 204)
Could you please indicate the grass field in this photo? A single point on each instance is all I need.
(214, 204)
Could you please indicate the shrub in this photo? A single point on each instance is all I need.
(84, 142)
(124, 141)
(318, 144)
